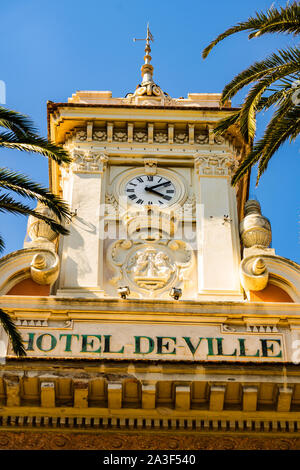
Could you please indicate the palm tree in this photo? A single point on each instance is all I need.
(275, 82)
(18, 132)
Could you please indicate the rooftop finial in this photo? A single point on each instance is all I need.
(147, 88)
(147, 68)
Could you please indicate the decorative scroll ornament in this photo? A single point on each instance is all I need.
(254, 274)
(214, 165)
(149, 222)
(150, 267)
(44, 268)
(89, 162)
(150, 166)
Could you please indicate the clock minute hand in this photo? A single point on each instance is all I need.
(166, 183)
(156, 192)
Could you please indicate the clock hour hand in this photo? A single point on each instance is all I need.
(156, 192)
(166, 183)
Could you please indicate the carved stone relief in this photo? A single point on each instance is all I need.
(219, 140)
(89, 161)
(100, 135)
(140, 136)
(32, 440)
(150, 166)
(149, 267)
(201, 138)
(120, 136)
(214, 165)
(81, 135)
(181, 137)
(161, 137)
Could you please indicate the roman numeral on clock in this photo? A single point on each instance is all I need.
(139, 201)
(132, 196)
(140, 179)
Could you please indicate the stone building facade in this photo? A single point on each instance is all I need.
(164, 320)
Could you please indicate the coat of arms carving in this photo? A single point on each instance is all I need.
(150, 267)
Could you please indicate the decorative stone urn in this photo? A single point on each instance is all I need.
(255, 229)
(37, 229)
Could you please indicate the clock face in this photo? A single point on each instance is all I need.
(150, 189)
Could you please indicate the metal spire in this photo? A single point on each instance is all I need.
(147, 68)
(147, 88)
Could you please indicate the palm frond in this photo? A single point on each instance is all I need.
(16, 122)
(8, 204)
(2, 244)
(23, 186)
(284, 20)
(247, 121)
(280, 130)
(13, 333)
(35, 144)
(225, 123)
(284, 62)
(283, 126)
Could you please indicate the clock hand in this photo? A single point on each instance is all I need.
(166, 183)
(156, 192)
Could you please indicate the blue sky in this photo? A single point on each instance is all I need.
(54, 48)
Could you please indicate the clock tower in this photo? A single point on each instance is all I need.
(149, 187)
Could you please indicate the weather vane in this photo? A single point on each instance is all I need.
(148, 38)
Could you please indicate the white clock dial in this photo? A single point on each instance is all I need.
(150, 189)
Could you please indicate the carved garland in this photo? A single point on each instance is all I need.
(160, 137)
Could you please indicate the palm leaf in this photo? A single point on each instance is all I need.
(283, 126)
(247, 119)
(23, 186)
(285, 62)
(2, 244)
(285, 20)
(8, 204)
(225, 123)
(16, 122)
(279, 131)
(13, 333)
(35, 144)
